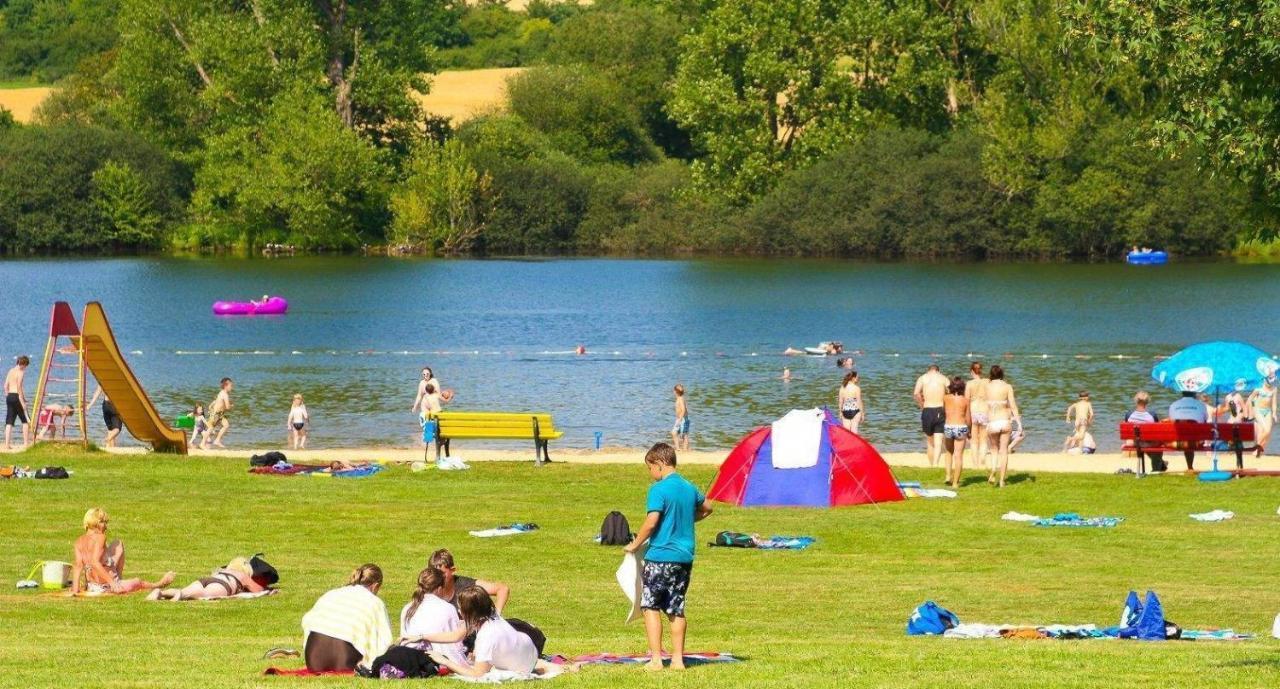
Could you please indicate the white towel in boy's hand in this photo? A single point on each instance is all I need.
(630, 579)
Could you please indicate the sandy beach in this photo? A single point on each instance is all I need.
(1035, 462)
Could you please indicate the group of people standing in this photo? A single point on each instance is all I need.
(954, 411)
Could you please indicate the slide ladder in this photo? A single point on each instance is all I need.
(104, 359)
(61, 383)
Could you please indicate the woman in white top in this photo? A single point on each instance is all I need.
(348, 626)
(498, 645)
(427, 614)
(298, 421)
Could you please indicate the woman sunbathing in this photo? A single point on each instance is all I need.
(234, 579)
(101, 565)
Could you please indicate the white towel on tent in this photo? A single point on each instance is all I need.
(796, 438)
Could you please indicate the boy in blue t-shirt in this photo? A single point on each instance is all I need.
(673, 505)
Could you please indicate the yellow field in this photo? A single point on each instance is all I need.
(22, 102)
(462, 95)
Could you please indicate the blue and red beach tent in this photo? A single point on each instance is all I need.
(848, 471)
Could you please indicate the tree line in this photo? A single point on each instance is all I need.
(883, 128)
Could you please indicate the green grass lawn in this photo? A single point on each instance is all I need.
(831, 616)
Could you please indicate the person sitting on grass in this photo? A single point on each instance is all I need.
(428, 613)
(234, 579)
(499, 646)
(673, 505)
(101, 565)
(442, 560)
(347, 626)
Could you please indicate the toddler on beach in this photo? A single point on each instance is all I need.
(200, 425)
(673, 505)
(680, 431)
(1081, 414)
(298, 421)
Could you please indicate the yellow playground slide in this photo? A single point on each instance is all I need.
(103, 358)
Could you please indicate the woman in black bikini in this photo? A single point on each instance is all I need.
(225, 582)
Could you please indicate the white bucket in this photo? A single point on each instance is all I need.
(55, 575)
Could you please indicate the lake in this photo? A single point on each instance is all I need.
(501, 333)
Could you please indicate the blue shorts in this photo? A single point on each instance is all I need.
(665, 586)
(681, 427)
(429, 428)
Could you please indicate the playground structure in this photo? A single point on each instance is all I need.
(91, 345)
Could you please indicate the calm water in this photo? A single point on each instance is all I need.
(501, 334)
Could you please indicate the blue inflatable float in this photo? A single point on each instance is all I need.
(1147, 258)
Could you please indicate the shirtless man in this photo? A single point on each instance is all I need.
(16, 403)
(1081, 414)
(101, 564)
(110, 417)
(975, 389)
(218, 414)
(930, 390)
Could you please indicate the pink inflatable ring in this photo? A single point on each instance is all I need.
(272, 306)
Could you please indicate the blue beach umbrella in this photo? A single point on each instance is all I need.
(1214, 367)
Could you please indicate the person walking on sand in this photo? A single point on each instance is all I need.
(15, 402)
(1263, 403)
(930, 388)
(1003, 410)
(850, 401)
(975, 389)
(680, 431)
(673, 506)
(218, 411)
(956, 429)
(298, 421)
(1080, 413)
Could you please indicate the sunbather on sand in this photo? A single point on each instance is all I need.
(101, 564)
(224, 582)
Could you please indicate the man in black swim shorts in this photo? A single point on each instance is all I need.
(930, 389)
(15, 403)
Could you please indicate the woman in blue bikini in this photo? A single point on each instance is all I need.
(1263, 403)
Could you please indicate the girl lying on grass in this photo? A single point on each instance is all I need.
(232, 580)
(498, 645)
(101, 565)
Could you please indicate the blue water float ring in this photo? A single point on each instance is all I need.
(1147, 258)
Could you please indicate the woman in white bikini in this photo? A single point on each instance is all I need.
(1002, 415)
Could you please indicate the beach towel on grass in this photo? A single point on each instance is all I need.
(1214, 516)
(1074, 520)
(796, 438)
(304, 672)
(245, 596)
(508, 530)
(503, 676)
(913, 489)
(640, 659)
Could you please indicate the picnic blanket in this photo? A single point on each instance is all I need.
(496, 676)
(296, 469)
(1214, 516)
(1071, 519)
(913, 489)
(979, 630)
(507, 530)
(304, 672)
(641, 658)
(244, 596)
(785, 542)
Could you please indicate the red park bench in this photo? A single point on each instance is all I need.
(1187, 437)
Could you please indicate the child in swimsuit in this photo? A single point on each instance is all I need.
(298, 420)
(680, 431)
(851, 402)
(955, 429)
(200, 425)
(1081, 414)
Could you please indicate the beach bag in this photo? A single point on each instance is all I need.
(732, 539)
(263, 573)
(267, 459)
(931, 619)
(53, 574)
(404, 662)
(52, 472)
(615, 530)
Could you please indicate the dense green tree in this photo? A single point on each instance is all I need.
(46, 39)
(584, 113)
(442, 203)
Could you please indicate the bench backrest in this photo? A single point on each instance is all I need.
(1173, 431)
(494, 421)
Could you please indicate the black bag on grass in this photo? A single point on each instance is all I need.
(615, 530)
(52, 472)
(267, 459)
(732, 539)
(263, 573)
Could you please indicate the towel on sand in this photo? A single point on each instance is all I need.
(1214, 516)
(508, 530)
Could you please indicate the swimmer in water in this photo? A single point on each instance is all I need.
(786, 374)
(580, 350)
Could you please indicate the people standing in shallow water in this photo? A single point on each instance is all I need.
(956, 429)
(852, 411)
(930, 388)
(1003, 414)
(976, 390)
(1080, 414)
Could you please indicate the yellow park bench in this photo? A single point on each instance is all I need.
(539, 428)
